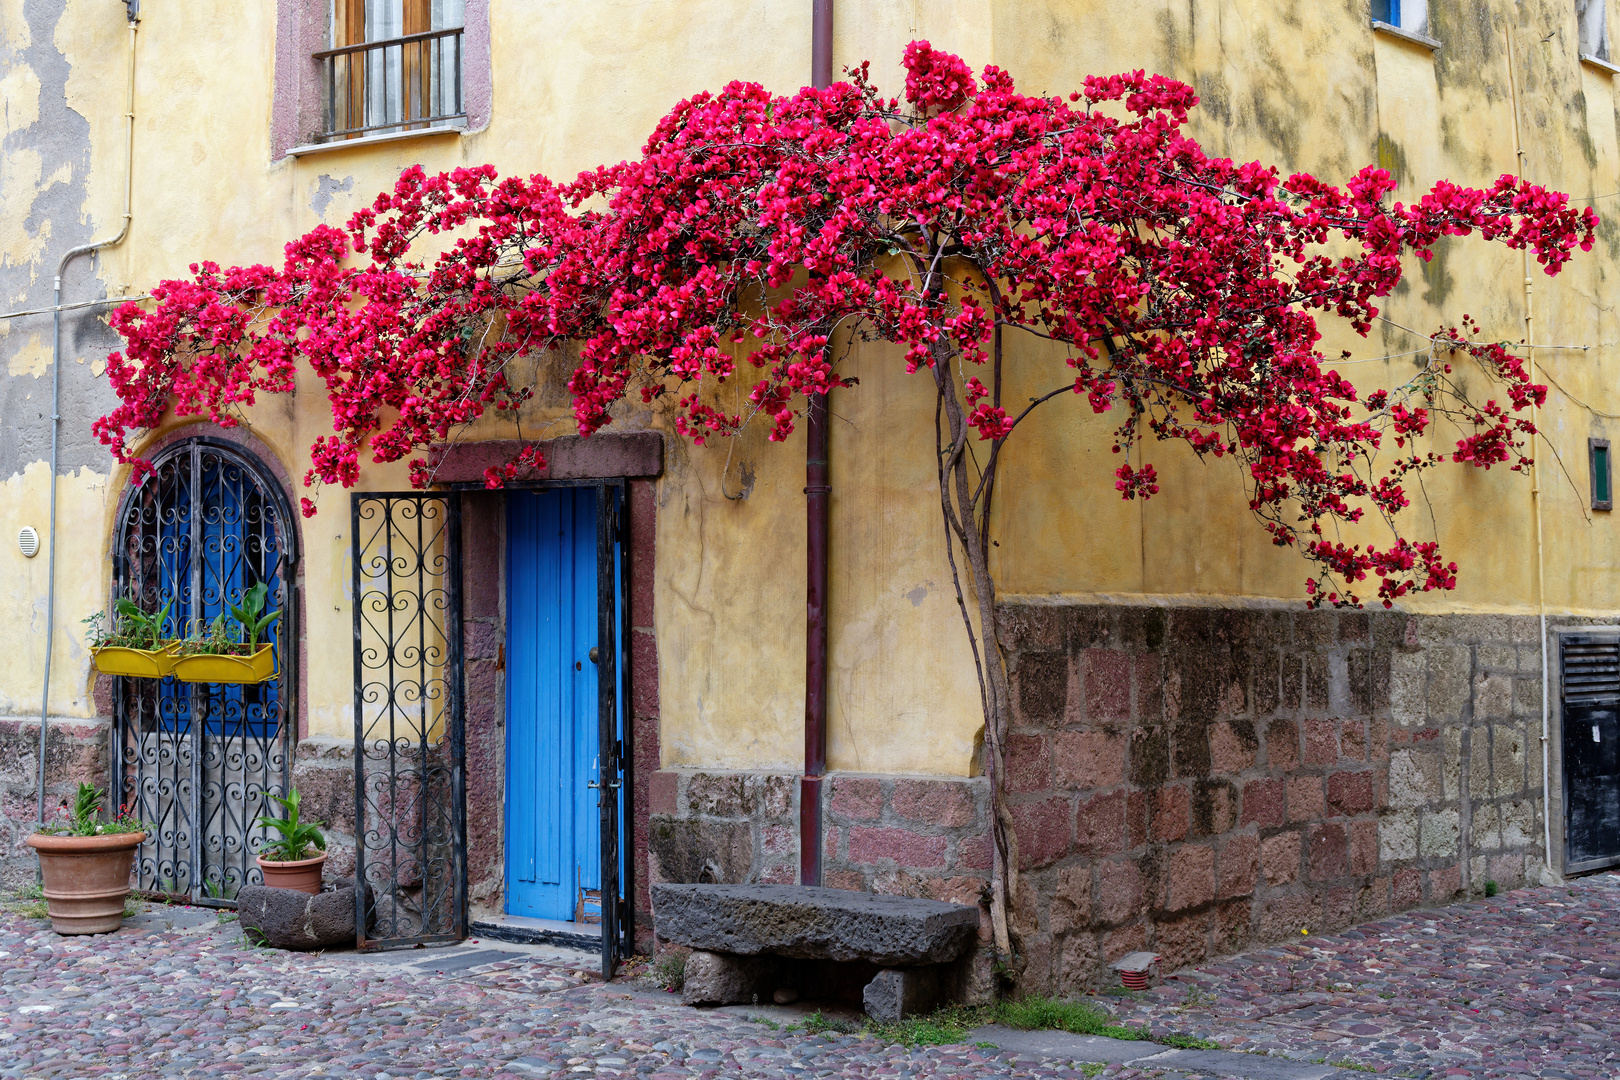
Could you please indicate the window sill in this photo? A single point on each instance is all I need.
(1599, 62)
(370, 140)
(1406, 35)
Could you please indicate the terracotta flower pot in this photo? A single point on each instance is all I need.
(86, 879)
(301, 874)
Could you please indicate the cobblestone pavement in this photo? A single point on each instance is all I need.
(1525, 985)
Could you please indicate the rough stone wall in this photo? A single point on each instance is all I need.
(483, 622)
(643, 713)
(1187, 780)
(899, 835)
(76, 752)
(1196, 780)
(323, 773)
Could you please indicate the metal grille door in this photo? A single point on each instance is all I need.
(410, 797)
(200, 760)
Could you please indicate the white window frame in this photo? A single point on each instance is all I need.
(1409, 20)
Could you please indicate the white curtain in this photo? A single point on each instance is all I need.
(386, 92)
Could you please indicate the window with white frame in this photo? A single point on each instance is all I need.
(392, 66)
(1409, 15)
(1592, 19)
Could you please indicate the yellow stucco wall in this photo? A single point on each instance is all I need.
(1303, 85)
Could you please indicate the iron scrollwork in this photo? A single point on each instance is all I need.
(200, 760)
(408, 719)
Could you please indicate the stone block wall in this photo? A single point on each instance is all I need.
(1189, 780)
(76, 752)
(899, 835)
(1195, 780)
(323, 773)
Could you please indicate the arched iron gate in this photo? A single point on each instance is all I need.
(200, 760)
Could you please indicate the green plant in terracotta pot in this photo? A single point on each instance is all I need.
(85, 864)
(287, 861)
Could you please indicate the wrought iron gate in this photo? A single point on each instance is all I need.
(200, 760)
(410, 802)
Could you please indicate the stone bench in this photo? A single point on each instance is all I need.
(750, 941)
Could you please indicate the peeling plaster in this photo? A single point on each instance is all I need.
(45, 189)
(325, 189)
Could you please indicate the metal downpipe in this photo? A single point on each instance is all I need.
(1549, 874)
(818, 495)
(56, 390)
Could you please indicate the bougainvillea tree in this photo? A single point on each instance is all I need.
(761, 237)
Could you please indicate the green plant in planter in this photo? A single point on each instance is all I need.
(216, 640)
(131, 628)
(249, 614)
(295, 837)
(222, 638)
(83, 819)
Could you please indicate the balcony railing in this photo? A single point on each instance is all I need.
(408, 83)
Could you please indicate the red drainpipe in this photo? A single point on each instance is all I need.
(817, 493)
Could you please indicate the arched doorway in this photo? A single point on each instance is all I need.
(199, 761)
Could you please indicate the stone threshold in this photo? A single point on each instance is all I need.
(522, 930)
(1227, 1064)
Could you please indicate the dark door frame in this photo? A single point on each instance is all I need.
(617, 742)
(1558, 732)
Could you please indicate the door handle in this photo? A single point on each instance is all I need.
(593, 654)
(592, 784)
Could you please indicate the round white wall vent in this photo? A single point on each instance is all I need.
(28, 540)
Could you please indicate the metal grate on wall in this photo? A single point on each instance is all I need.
(1591, 668)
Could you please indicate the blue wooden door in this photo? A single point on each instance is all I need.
(553, 825)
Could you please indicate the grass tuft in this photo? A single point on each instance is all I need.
(1187, 1042)
(939, 1028)
(1075, 1017)
(669, 972)
(25, 900)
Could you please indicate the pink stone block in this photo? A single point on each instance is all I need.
(1100, 828)
(1172, 808)
(1305, 798)
(1088, 760)
(1350, 793)
(859, 798)
(1321, 742)
(1029, 763)
(1192, 876)
(1329, 853)
(946, 803)
(1043, 830)
(1107, 684)
(1239, 865)
(903, 847)
(1264, 802)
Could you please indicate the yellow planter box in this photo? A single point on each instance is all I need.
(258, 668)
(135, 663)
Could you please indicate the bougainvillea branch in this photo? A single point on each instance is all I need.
(755, 230)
